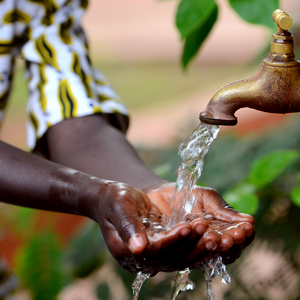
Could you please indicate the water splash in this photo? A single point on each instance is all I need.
(181, 283)
(211, 268)
(138, 283)
(192, 151)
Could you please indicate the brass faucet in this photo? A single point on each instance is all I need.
(274, 89)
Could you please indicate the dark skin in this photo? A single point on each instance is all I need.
(89, 145)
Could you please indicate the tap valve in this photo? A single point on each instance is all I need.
(282, 20)
(282, 48)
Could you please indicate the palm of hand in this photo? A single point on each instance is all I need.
(226, 231)
(212, 228)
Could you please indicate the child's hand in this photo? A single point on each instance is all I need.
(213, 227)
(119, 216)
(228, 230)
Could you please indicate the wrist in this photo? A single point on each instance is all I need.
(95, 195)
(76, 192)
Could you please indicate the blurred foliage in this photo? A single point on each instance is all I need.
(39, 266)
(267, 184)
(263, 171)
(78, 265)
(267, 168)
(247, 171)
(196, 18)
(8, 282)
(256, 11)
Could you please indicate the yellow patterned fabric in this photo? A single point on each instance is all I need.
(62, 83)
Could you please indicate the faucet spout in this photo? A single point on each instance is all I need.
(274, 89)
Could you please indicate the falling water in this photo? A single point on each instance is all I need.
(181, 283)
(137, 284)
(192, 151)
(211, 268)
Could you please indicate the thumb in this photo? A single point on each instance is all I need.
(129, 227)
(132, 233)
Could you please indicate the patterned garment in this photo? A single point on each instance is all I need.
(62, 84)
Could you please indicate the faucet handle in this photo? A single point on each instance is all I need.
(282, 20)
(282, 48)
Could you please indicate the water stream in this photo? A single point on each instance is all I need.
(181, 283)
(138, 283)
(192, 151)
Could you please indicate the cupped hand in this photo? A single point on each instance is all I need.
(228, 231)
(212, 228)
(121, 214)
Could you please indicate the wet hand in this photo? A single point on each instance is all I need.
(228, 231)
(120, 215)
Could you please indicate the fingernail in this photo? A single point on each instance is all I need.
(210, 245)
(201, 229)
(214, 247)
(135, 242)
(185, 232)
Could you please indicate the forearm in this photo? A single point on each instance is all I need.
(91, 145)
(31, 181)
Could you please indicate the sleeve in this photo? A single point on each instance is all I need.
(7, 47)
(62, 82)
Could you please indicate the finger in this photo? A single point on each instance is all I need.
(170, 249)
(162, 242)
(249, 240)
(199, 225)
(218, 207)
(125, 216)
(232, 254)
(206, 244)
(198, 253)
(211, 240)
(226, 242)
(248, 228)
(237, 233)
(132, 232)
(128, 231)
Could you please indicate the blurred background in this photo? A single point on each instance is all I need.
(136, 45)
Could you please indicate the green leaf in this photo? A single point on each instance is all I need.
(191, 14)
(243, 198)
(295, 195)
(256, 11)
(39, 267)
(269, 167)
(194, 41)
